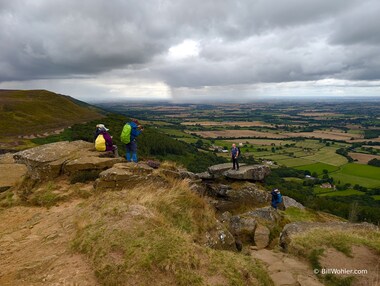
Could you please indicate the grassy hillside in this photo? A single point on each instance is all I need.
(28, 112)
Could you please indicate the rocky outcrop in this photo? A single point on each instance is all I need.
(266, 213)
(229, 199)
(220, 238)
(123, 175)
(249, 173)
(292, 229)
(288, 202)
(252, 172)
(51, 160)
(247, 229)
(218, 170)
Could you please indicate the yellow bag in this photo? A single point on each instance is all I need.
(100, 143)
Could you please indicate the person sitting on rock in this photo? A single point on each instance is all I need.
(276, 198)
(235, 157)
(103, 141)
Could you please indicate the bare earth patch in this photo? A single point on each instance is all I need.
(35, 247)
(362, 259)
(362, 158)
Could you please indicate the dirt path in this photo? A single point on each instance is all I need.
(35, 247)
(285, 270)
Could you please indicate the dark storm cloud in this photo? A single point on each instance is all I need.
(240, 42)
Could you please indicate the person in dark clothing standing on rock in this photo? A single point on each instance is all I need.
(136, 130)
(235, 157)
(276, 198)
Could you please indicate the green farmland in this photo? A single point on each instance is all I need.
(318, 168)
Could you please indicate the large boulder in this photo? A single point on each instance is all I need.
(248, 230)
(288, 202)
(294, 228)
(251, 172)
(266, 213)
(243, 228)
(48, 161)
(261, 236)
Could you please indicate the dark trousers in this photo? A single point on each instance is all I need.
(235, 161)
(131, 148)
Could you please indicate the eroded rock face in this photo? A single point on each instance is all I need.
(298, 227)
(230, 199)
(252, 172)
(220, 238)
(51, 160)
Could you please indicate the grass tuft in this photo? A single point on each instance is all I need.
(146, 234)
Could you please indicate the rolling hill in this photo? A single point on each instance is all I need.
(28, 112)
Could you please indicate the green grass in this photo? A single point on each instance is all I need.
(293, 162)
(376, 197)
(341, 193)
(37, 111)
(175, 132)
(361, 170)
(318, 168)
(295, 214)
(363, 175)
(328, 156)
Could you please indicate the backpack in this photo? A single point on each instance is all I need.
(125, 136)
(100, 143)
(279, 198)
(239, 152)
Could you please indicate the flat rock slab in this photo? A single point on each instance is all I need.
(251, 172)
(220, 168)
(48, 161)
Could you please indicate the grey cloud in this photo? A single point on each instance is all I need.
(241, 42)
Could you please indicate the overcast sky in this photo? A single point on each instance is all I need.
(191, 50)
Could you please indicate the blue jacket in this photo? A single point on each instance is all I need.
(276, 197)
(135, 131)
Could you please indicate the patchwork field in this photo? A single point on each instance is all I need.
(330, 135)
(228, 123)
(362, 158)
(238, 134)
(328, 156)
